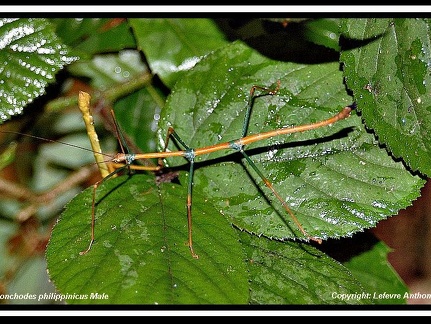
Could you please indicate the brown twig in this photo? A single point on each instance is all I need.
(35, 200)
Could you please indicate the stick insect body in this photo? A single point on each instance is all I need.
(125, 160)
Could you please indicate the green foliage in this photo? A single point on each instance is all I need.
(338, 180)
(389, 75)
(177, 44)
(146, 259)
(380, 279)
(31, 55)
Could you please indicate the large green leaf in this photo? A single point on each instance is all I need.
(336, 179)
(293, 273)
(140, 255)
(173, 46)
(31, 55)
(389, 72)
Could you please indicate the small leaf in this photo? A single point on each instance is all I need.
(323, 32)
(383, 283)
(31, 55)
(96, 35)
(390, 75)
(139, 255)
(73, 31)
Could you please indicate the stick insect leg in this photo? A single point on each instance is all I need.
(240, 148)
(190, 156)
(269, 185)
(93, 206)
(250, 104)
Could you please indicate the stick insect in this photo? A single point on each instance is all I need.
(125, 159)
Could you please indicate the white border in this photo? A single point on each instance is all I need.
(217, 8)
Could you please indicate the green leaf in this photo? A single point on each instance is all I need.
(109, 69)
(139, 255)
(363, 28)
(95, 35)
(74, 31)
(173, 46)
(294, 273)
(323, 32)
(383, 283)
(138, 113)
(389, 72)
(336, 179)
(31, 55)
